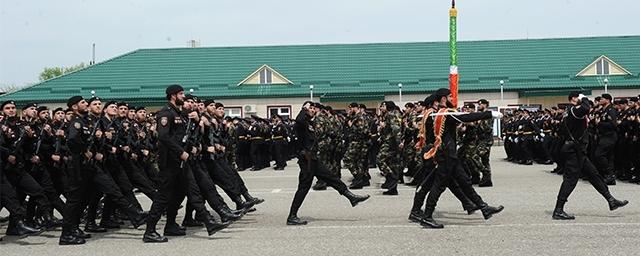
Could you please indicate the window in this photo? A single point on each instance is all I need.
(233, 112)
(265, 76)
(282, 111)
(602, 67)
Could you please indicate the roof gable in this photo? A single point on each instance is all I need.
(258, 77)
(603, 65)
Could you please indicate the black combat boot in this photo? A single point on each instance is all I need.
(17, 227)
(416, 216)
(254, 200)
(560, 214)
(489, 211)
(485, 181)
(214, 226)
(427, 220)
(355, 199)
(172, 229)
(615, 203)
(92, 227)
(320, 185)
(68, 238)
(151, 236)
(189, 221)
(242, 205)
(226, 215)
(357, 183)
(137, 219)
(293, 220)
(391, 192)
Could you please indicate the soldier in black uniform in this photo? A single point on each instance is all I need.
(174, 171)
(577, 163)
(310, 167)
(606, 122)
(279, 138)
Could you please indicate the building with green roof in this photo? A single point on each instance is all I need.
(276, 79)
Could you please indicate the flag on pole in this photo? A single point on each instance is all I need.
(453, 53)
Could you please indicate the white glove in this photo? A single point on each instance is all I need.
(581, 96)
(496, 114)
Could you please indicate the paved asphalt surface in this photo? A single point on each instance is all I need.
(380, 226)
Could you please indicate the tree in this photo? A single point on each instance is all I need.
(49, 73)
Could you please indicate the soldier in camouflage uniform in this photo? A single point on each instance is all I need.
(388, 156)
(409, 136)
(230, 150)
(324, 130)
(485, 141)
(356, 154)
(468, 137)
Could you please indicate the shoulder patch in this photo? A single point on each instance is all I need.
(77, 125)
(164, 121)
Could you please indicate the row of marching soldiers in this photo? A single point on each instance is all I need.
(387, 139)
(613, 130)
(96, 153)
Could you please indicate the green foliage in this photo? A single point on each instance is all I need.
(49, 73)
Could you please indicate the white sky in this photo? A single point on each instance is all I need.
(43, 33)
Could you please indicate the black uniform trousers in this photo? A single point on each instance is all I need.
(577, 164)
(280, 152)
(175, 182)
(310, 168)
(451, 169)
(427, 184)
(9, 199)
(25, 184)
(605, 152)
(79, 181)
(137, 177)
(41, 175)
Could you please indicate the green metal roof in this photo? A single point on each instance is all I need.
(347, 69)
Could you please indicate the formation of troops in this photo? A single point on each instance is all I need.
(613, 134)
(95, 154)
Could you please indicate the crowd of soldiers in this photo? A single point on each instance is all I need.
(613, 131)
(95, 154)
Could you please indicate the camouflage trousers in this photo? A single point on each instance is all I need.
(471, 160)
(327, 156)
(388, 159)
(230, 155)
(354, 157)
(484, 150)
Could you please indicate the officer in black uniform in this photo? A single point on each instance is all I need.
(606, 122)
(279, 138)
(576, 161)
(175, 174)
(310, 166)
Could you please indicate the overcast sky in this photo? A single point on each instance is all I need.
(43, 33)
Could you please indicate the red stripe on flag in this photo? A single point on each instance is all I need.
(453, 86)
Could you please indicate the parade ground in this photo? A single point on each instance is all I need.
(379, 226)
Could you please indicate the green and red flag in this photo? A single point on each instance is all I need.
(453, 53)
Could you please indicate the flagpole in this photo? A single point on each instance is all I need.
(453, 53)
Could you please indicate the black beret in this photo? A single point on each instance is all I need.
(422, 103)
(122, 103)
(58, 110)
(354, 105)
(633, 99)
(607, 96)
(363, 106)
(173, 89)
(573, 95)
(328, 108)
(29, 105)
(442, 92)
(8, 102)
(235, 118)
(470, 105)
(276, 116)
(68, 110)
(94, 98)
(409, 105)
(483, 101)
(74, 100)
(113, 102)
(428, 101)
(190, 97)
(318, 105)
(389, 104)
(42, 108)
(209, 102)
(218, 105)
(624, 101)
(140, 108)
